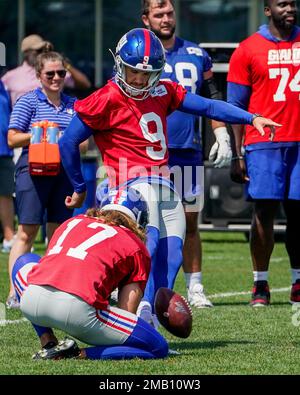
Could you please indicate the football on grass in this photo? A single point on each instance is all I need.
(173, 312)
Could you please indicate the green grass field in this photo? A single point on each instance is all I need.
(231, 338)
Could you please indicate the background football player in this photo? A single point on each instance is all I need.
(128, 119)
(189, 65)
(264, 75)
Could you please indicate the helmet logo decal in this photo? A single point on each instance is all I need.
(146, 60)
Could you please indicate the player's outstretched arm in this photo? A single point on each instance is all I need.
(222, 111)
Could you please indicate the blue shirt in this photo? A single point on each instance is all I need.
(33, 107)
(4, 121)
(185, 63)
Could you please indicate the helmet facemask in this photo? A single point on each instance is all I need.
(133, 58)
(130, 91)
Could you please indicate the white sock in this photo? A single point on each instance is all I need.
(295, 275)
(260, 276)
(192, 278)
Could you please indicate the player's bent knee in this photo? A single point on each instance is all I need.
(145, 337)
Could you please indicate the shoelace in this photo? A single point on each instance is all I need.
(199, 296)
(187, 303)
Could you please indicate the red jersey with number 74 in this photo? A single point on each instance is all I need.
(131, 134)
(272, 70)
(88, 258)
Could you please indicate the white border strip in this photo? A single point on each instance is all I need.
(229, 294)
(8, 322)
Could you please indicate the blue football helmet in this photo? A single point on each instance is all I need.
(102, 191)
(140, 50)
(128, 201)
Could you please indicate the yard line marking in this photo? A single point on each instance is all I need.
(7, 322)
(279, 259)
(221, 257)
(228, 294)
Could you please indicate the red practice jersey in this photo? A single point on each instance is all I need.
(90, 259)
(272, 70)
(131, 134)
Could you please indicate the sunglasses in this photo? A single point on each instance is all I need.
(50, 74)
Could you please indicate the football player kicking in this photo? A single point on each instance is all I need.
(127, 118)
(69, 288)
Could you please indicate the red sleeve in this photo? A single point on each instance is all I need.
(141, 269)
(94, 109)
(176, 94)
(240, 67)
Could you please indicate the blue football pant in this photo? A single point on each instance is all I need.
(165, 235)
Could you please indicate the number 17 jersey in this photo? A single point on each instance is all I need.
(272, 69)
(88, 258)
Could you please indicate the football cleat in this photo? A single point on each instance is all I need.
(12, 302)
(66, 348)
(295, 292)
(260, 294)
(197, 298)
(144, 311)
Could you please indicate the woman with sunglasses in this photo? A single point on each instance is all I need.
(37, 194)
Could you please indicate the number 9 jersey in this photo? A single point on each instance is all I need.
(272, 69)
(131, 134)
